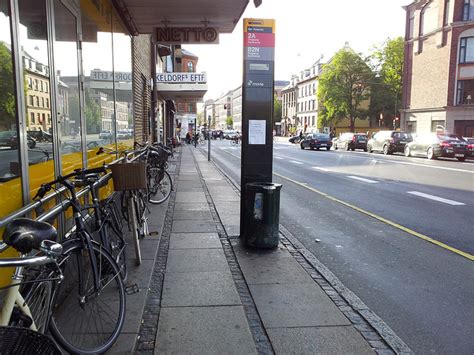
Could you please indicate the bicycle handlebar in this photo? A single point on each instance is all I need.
(45, 188)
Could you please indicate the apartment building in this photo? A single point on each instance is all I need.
(438, 87)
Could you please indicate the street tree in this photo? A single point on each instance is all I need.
(7, 97)
(387, 62)
(91, 111)
(344, 89)
(229, 122)
(276, 109)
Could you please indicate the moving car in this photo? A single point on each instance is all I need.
(9, 139)
(389, 142)
(295, 139)
(316, 140)
(230, 134)
(351, 141)
(433, 146)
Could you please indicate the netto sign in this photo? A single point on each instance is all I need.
(186, 35)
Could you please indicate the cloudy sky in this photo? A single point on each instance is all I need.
(305, 30)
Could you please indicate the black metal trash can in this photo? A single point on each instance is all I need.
(262, 215)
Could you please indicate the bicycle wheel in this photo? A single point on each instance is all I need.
(38, 299)
(85, 320)
(134, 226)
(162, 185)
(116, 246)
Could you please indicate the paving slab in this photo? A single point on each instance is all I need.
(230, 219)
(191, 197)
(295, 305)
(195, 241)
(227, 206)
(125, 344)
(196, 260)
(275, 266)
(193, 226)
(232, 230)
(214, 288)
(318, 340)
(188, 177)
(204, 330)
(148, 247)
(203, 215)
(184, 206)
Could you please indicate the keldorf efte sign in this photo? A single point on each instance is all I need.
(169, 78)
(187, 35)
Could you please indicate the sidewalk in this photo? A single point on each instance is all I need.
(210, 295)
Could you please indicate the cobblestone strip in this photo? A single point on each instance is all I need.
(262, 342)
(377, 333)
(145, 343)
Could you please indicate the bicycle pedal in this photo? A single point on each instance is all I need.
(132, 289)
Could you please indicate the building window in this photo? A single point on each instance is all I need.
(411, 126)
(42, 99)
(32, 117)
(468, 11)
(446, 12)
(465, 92)
(190, 67)
(47, 103)
(411, 28)
(466, 50)
(429, 18)
(30, 99)
(37, 101)
(437, 125)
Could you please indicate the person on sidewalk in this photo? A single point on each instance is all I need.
(196, 139)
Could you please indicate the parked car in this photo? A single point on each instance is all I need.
(9, 139)
(316, 140)
(123, 134)
(389, 142)
(351, 141)
(433, 146)
(470, 146)
(105, 134)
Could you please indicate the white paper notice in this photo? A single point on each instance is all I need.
(257, 131)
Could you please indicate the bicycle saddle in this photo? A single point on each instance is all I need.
(25, 234)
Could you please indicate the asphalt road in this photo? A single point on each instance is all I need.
(423, 289)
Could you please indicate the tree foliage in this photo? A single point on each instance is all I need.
(91, 111)
(344, 85)
(276, 109)
(7, 90)
(229, 121)
(387, 61)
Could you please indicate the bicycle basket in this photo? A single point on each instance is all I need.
(129, 176)
(19, 341)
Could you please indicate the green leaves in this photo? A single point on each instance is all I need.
(7, 97)
(344, 86)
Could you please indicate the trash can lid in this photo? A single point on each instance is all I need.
(264, 185)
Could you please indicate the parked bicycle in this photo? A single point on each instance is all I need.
(89, 305)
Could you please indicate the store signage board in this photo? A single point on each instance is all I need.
(169, 78)
(257, 106)
(186, 35)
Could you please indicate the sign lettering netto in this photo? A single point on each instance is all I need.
(187, 35)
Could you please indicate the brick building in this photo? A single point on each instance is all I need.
(186, 112)
(439, 67)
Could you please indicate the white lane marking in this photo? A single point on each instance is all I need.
(363, 179)
(319, 168)
(296, 162)
(436, 198)
(278, 158)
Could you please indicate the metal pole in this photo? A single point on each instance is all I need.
(209, 138)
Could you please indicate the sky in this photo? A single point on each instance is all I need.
(305, 31)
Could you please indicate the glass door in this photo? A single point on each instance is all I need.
(68, 93)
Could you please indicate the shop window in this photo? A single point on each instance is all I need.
(438, 125)
(34, 44)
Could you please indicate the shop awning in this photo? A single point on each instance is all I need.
(142, 16)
